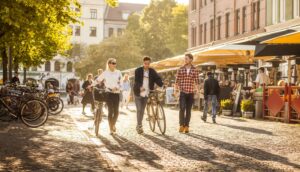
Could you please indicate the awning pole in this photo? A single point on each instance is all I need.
(289, 71)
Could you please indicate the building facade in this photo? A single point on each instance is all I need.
(116, 19)
(217, 21)
(213, 22)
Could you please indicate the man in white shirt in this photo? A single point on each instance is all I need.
(262, 78)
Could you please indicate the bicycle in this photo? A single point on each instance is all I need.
(32, 112)
(99, 96)
(155, 111)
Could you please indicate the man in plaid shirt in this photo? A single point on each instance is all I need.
(187, 80)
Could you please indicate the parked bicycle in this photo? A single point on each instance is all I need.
(32, 112)
(155, 110)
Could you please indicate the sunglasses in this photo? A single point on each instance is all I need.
(113, 63)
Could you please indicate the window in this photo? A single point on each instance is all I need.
(57, 66)
(48, 66)
(77, 30)
(244, 19)
(204, 37)
(289, 9)
(255, 15)
(211, 30)
(120, 31)
(125, 15)
(34, 68)
(193, 36)
(205, 3)
(194, 5)
(227, 25)
(200, 34)
(201, 5)
(219, 28)
(237, 22)
(93, 13)
(110, 32)
(69, 67)
(93, 31)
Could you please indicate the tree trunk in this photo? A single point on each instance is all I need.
(4, 65)
(25, 73)
(10, 65)
(16, 65)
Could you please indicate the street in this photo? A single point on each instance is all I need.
(67, 143)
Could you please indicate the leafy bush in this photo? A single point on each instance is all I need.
(226, 104)
(247, 105)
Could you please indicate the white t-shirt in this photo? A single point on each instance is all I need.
(262, 78)
(146, 84)
(111, 80)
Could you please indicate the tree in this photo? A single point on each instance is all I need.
(177, 40)
(35, 30)
(161, 30)
(124, 48)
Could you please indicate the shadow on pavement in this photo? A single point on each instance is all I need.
(52, 147)
(186, 151)
(135, 151)
(248, 129)
(249, 152)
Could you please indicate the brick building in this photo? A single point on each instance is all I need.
(217, 21)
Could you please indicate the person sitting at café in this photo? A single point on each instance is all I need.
(262, 78)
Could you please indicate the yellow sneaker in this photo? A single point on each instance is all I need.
(181, 129)
(186, 130)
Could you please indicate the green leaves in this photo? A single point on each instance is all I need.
(161, 30)
(112, 3)
(36, 29)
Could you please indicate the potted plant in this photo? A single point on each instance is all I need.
(226, 106)
(247, 107)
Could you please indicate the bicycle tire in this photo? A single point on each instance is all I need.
(43, 117)
(161, 120)
(59, 109)
(151, 118)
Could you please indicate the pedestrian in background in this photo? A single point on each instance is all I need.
(262, 78)
(211, 95)
(187, 81)
(145, 78)
(70, 91)
(88, 97)
(126, 88)
(112, 79)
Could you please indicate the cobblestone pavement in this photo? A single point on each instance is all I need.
(57, 146)
(234, 144)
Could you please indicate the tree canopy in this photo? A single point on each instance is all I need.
(123, 48)
(36, 30)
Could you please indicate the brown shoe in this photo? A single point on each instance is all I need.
(186, 130)
(181, 129)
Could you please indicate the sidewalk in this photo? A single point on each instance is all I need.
(57, 146)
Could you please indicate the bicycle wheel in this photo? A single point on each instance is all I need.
(55, 105)
(161, 118)
(98, 119)
(34, 113)
(151, 118)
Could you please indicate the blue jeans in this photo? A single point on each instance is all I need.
(214, 101)
(140, 103)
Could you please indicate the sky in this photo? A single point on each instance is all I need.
(147, 1)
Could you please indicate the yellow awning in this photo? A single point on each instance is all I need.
(293, 38)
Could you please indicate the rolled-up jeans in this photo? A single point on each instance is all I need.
(140, 103)
(214, 101)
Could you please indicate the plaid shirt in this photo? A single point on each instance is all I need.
(186, 82)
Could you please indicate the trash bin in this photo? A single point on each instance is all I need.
(258, 109)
